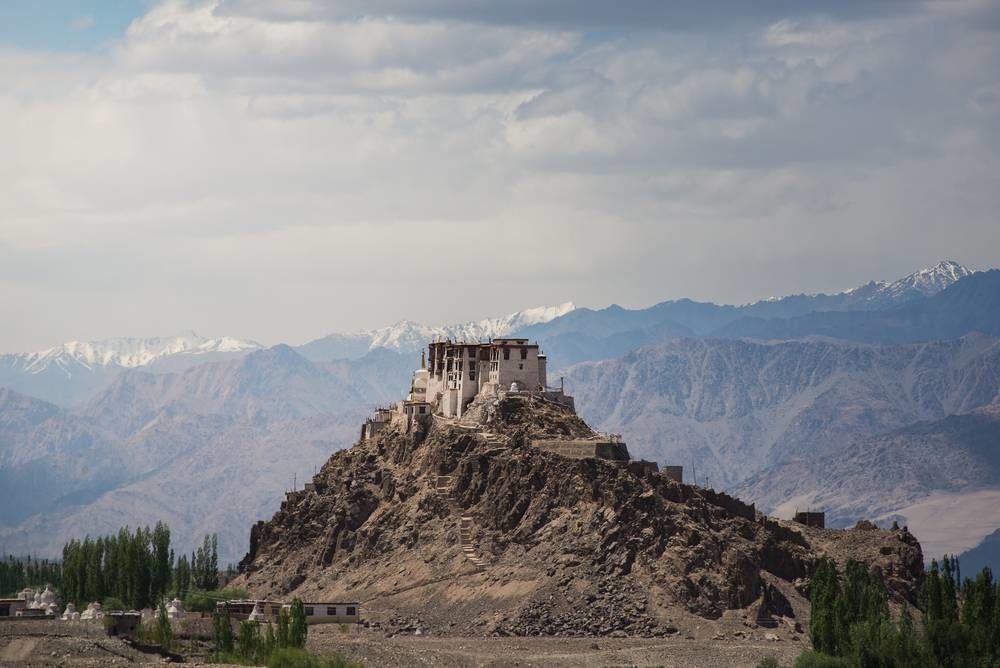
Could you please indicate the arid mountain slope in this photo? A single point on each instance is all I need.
(733, 408)
(49, 457)
(884, 475)
(576, 547)
(208, 450)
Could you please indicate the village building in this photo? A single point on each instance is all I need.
(9, 607)
(242, 609)
(331, 613)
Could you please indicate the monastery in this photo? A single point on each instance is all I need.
(452, 375)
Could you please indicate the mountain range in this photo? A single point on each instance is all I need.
(782, 400)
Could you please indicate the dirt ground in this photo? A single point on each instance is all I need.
(57, 643)
(546, 651)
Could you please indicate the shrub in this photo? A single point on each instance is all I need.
(768, 662)
(113, 603)
(293, 657)
(810, 659)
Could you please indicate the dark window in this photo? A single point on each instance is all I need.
(472, 352)
(524, 353)
(309, 612)
(423, 409)
(331, 611)
(351, 611)
(506, 353)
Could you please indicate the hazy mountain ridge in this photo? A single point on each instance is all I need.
(736, 407)
(879, 475)
(587, 334)
(75, 372)
(968, 305)
(407, 336)
(236, 430)
(47, 453)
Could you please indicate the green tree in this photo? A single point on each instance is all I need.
(823, 591)
(160, 575)
(250, 645)
(297, 628)
(163, 634)
(182, 577)
(222, 631)
(283, 628)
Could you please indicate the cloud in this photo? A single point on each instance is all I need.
(279, 171)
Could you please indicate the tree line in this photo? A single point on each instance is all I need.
(136, 569)
(17, 573)
(851, 625)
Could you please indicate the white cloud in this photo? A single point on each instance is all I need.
(274, 175)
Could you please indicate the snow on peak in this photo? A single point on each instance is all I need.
(409, 336)
(931, 280)
(132, 352)
(922, 283)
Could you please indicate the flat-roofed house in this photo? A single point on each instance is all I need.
(331, 613)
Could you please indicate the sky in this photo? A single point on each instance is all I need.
(283, 170)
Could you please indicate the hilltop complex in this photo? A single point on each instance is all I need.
(483, 490)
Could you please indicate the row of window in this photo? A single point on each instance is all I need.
(331, 611)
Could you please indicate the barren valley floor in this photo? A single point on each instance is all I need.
(57, 644)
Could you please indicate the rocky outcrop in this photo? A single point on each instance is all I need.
(568, 546)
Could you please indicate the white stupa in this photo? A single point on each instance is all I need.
(176, 609)
(48, 596)
(26, 594)
(52, 609)
(36, 601)
(256, 615)
(93, 611)
(70, 612)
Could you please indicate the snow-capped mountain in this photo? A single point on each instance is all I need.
(127, 352)
(74, 371)
(922, 283)
(871, 296)
(408, 336)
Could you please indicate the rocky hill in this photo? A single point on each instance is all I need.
(468, 529)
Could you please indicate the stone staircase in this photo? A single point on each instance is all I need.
(466, 523)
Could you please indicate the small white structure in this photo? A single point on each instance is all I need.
(70, 612)
(93, 611)
(176, 609)
(52, 609)
(256, 615)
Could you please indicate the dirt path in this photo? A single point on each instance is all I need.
(18, 649)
